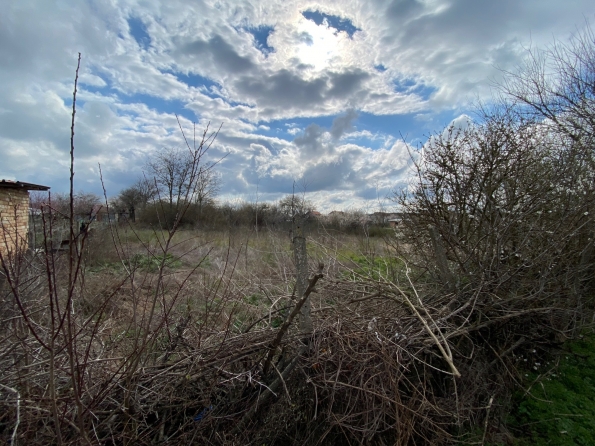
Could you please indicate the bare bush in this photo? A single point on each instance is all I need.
(558, 84)
(135, 197)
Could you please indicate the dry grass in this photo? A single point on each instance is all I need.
(167, 342)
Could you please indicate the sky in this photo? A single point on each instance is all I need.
(324, 98)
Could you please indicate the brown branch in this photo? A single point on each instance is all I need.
(291, 317)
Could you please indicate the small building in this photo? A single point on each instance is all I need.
(395, 219)
(14, 215)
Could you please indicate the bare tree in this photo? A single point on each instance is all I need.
(556, 87)
(84, 203)
(172, 171)
(207, 187)
(181, 176)
(136, 196)
(292, 205)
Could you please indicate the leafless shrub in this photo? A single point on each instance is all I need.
(557, 85)
(500, 220)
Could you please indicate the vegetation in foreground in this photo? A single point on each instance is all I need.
(558, 406)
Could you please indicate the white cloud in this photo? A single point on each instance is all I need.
(198, 59)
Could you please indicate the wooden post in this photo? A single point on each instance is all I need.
(300, 256)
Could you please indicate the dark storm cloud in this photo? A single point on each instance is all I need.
(315, 139)
(367, 193)
(304, 37)
(327, 175)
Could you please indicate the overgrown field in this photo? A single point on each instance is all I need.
(187, 336)
(173, 337)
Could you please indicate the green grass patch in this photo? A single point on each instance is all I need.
(276, 322)
(377, 231)
(135, 234)
(105, 267)
(253, 299)
(561, 410)
(153, 262)
(377, 267)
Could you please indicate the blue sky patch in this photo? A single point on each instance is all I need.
(410, 86)
(281, 130)
(339, 23)
(380, 68)
(161, 105)
(204, 84)
(104, 91)
(414, 127)
(138, 30)
(363, 141)
(261, 34)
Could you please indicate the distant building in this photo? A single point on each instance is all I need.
(14, 215)
(383, 218)
(379, 218)
(395, 219)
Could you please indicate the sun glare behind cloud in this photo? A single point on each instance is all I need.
(319, 44)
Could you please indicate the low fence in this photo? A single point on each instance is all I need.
(58, 228)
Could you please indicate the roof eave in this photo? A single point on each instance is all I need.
(9, 184)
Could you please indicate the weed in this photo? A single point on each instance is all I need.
(561, 410)
(153, 262)
(376, 268)
(276, 322)
(253, 299)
